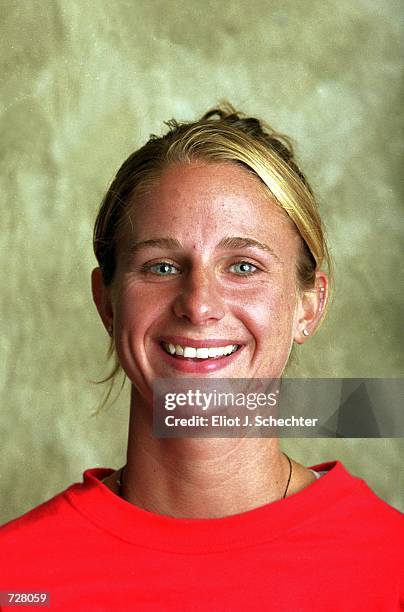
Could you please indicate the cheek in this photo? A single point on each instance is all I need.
(269, 315)
(135, 310)
(134, 314)
(266, 312)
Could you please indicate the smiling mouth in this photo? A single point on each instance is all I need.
(188, 353)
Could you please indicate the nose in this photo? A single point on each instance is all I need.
(199, 300)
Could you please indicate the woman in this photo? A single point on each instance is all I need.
(210, 251)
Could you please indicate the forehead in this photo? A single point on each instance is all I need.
(205, 202)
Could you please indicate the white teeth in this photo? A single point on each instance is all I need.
(220, 351)
(199, 353)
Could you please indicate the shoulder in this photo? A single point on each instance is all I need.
(40, 533)
(55, 515)
(351, 505)
(36, 521)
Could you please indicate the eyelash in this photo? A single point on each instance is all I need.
(147, 268)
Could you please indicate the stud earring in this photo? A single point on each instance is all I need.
(110, 330)
(305, 332)
(322, 298)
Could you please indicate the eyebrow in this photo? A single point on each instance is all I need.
(229, 243)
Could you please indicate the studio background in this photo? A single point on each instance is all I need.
(86, 83)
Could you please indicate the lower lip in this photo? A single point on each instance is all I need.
(201, 366)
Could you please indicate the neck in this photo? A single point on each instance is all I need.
(203, 478)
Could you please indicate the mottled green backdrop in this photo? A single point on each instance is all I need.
(83, 83)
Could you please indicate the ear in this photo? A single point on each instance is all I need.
(310, 308)
(102, 299)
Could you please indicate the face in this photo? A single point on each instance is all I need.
(208, 261)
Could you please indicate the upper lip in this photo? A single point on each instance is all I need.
(213, 342)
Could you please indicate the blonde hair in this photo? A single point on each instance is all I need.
(220, 135)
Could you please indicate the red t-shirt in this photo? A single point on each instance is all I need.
(334, 546)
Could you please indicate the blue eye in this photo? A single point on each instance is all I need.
(163, 269)
(244, 268)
